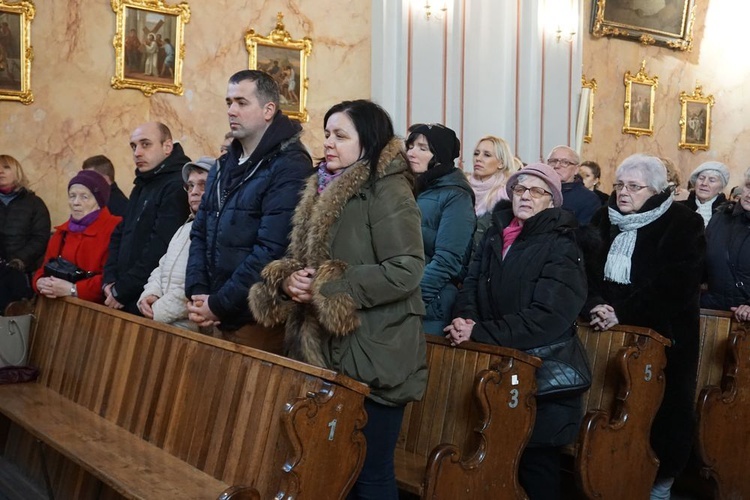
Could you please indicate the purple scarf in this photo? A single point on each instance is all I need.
(79, 226)
(325, 177)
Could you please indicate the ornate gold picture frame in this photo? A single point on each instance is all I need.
(149, 45)
(695, 120)
(588, 132)
(640, 92)
(16, 52)
(285, 60)
(668, 23)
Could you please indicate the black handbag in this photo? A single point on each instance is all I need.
(565, 369)
(64, 269)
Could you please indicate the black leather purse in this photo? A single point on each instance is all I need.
(64, 269)
(565, 369)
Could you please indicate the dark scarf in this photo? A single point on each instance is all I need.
(426, 178)
(79, 226)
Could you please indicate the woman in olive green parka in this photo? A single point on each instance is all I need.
(348, 289)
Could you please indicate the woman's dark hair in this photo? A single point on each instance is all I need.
(595, 169)
(373, 125)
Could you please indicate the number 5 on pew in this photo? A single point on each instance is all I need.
(647, 377)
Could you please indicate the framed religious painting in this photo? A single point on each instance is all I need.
(668, 23)
(285, 59)
(588, 91)
(149, 45)
(640, 91)
(695, 120)
(16, 52)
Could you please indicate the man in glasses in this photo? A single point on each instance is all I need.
(576, 198)
(163, 298)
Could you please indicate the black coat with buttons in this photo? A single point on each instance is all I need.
(530, 298)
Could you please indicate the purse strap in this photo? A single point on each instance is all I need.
(24, 344)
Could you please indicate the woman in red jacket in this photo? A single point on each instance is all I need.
(82, 240)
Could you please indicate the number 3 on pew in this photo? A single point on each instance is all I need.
(647, 378)
(332, 425)
(513, 398)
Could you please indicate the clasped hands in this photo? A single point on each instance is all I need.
(603, 317)
(741, 313)
(52, 287)
(459, 330)
(298, 286)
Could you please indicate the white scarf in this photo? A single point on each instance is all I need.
(620, 254)
(705, 210)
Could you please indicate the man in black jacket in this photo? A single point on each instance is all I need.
(118, 202)
(576, 197)
(157, 207)
(245, 216)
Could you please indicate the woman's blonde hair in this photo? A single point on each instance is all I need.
(509, 166)
(9, 161)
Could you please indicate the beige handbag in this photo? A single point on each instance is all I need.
(14, 340)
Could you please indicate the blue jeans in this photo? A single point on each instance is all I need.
(377, 481)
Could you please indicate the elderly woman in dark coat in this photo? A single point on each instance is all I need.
(446, 201)
(709, 181)
(649, 275)
(348, 289)
(728, 257)
(525, 288)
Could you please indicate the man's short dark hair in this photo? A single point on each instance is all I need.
(268, 89)
(101, 164)
(166, 134)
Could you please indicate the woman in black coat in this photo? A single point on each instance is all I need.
(525, 288)
(24, 232)
(649, 275)
(728, 257)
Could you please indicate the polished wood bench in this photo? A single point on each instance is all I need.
(613, 455)
(715, 327)
(466, 436)
(723, 406)
(125, 406)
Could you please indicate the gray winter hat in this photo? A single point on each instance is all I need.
(711, 165)
(204, 163)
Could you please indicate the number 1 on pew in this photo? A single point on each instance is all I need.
(332, 425)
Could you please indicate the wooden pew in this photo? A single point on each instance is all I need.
(723, 410)
(714, 334)
(466, 436)
(613, 455)
(153, 411)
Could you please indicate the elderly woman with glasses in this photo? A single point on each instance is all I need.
(525, 288)
(648, 274)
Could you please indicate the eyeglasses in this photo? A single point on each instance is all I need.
(560, 161)
(630, 186)
(535, 192)
(188, 187)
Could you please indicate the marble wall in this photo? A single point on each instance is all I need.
(77, 114)
(717, 61)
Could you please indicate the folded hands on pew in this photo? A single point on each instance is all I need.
(145, 305)
(54, 287)
(199, 312)
(742, 313)
(109, 298)
(459, 330)
(603, 317)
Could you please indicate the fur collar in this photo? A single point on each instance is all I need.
(317, 214)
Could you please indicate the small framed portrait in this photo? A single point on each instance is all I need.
(695, 120)
(16, 52)
(588, 91)
(149, 45)
(668, 23)
(640, 92)
(285, 59)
